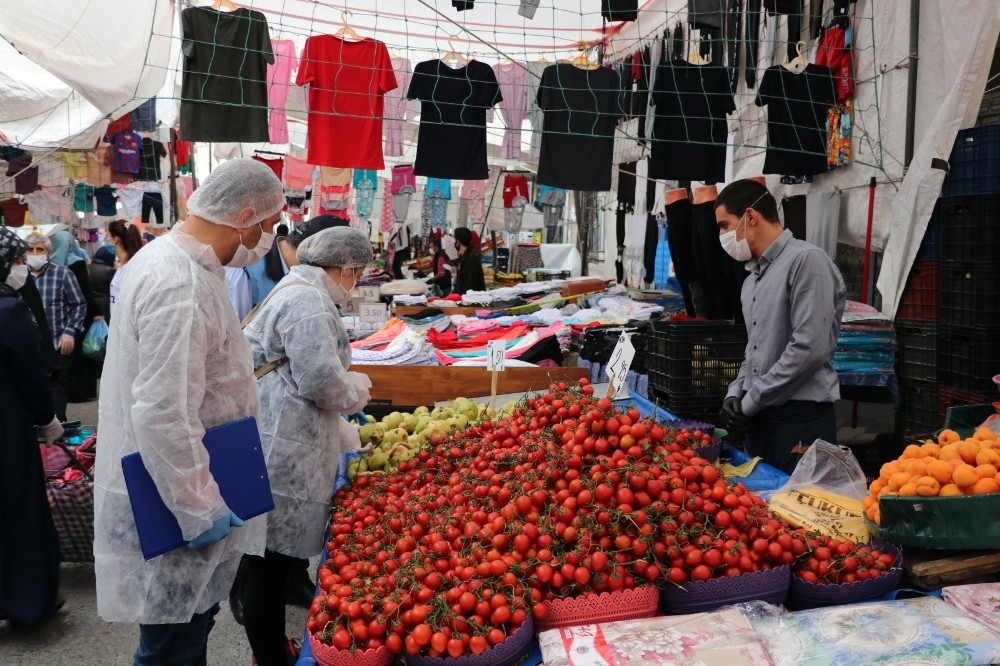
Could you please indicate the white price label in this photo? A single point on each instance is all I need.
(374, 313)
(369, 294)
(496, 358)
(618, 366)
(350, 307)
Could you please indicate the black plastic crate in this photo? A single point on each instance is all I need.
(970, 228)
(951, 396)
(974, 166)
(598, 343)
(916, 350)
(705, 409)
(918, 407)
(696, 358)
(970, 294)
(930, 246)
(968, 358)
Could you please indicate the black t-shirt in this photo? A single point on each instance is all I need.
(796, 118)
(581, 109)
(451, 142)
(149, 159)
(689, 130)
(224, 89)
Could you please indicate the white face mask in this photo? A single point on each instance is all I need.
(18, 276)
(337, 291)
(738, 250)
(37, 261)
(245, 257)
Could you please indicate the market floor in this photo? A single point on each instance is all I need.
(78, 637)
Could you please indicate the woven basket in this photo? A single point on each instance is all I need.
(505, 654)
(702, 596)
(635, 604)
(327, 655)
(803, 595)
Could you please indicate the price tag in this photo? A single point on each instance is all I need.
(496, 359)
(618, 366)
(369, 294)
(374, 313)
(350, 307)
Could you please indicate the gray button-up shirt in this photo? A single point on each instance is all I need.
(793, 301)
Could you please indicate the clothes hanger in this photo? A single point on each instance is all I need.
(581, 60)
(695, 57)
(453, 58)
(347, 33)
(797, 64)
(219, 5)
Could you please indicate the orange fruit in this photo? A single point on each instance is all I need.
(878, 484)
(987, 457)
(984, 486)
(931, 449)
(886, 491)
(950, 490)
(868, 501)
(956, 462)
(889, 469)
(949, 452)
(927, 486)
(986, 471)
(909, 489)
(965, 476)
(912, 451)
(914, 467)
(939, 470)
(897, 480)
(871, 511)
(948, 436)
(968, 451)
(983, 433)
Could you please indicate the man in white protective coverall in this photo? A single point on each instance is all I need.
(177, 364)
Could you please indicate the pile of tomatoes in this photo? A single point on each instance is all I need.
(832, 561)
(567, 496)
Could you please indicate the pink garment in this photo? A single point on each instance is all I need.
(279, 77)
(397, 107)
(298, 173)
(388, 217)
(513, 78)
(474, 194)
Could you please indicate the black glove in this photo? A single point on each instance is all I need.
(732, 415)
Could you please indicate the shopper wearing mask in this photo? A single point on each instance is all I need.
(65, 311)
(177, 364)
(29, 546)
(20, 281)
(783, 398)
(302, 355)
(123, 238)
(469, 276)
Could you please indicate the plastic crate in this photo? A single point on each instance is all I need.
(965, 419)
(704, 409)
(969, 295)
(968, 358)
(918, 407)
(930, 246)
(920, 296)
(970, 228)
(916, 349)
(974, 167)
(702, 357)
(949, 396)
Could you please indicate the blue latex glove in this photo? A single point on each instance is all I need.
(359, 418)
(217, 532)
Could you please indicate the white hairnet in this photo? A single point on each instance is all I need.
(236, 185)
(340, 246)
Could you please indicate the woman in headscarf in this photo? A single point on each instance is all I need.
(82, 381)
(29, 546)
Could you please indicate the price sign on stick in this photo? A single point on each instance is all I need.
(496, 362)
(618, 366)
(374, 313)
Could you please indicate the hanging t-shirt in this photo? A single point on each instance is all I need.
(13, 212)
(278, 80)
(83, 198)
(107, 200)
(99, 166)
(796, 118)
(128, 149)
(347, 84)
(143, 117)
(451, 142)
(25, 175)
(689, 131)
(582, 108)
(224, 89)
(275, 165)
(149, 162)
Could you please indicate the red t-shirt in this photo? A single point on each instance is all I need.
(13, 212)
(347, 82)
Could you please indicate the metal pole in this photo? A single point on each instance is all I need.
(866, 279)
(911, 86)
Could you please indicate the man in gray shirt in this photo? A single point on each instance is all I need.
(793, 301)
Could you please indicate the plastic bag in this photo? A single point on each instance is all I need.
(824, 493)
(95, 343)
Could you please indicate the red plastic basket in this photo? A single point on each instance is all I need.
(640, 602)
(327, 655)
(920, 296)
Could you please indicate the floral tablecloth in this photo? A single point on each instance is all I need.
(721, 638)
(980, 601)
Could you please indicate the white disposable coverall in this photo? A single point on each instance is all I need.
(301, 404)
(177, 363)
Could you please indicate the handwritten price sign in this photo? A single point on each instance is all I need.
(374, 313)
(496, 359)
(618, 366)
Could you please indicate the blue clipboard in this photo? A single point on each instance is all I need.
(236, 461)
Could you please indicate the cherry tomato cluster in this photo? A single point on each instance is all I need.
(567, 496)
(831, 561)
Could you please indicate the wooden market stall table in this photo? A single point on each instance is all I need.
(934, 569)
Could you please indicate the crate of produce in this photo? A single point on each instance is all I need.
(699, 358)
(939, 523)
(930, 246)
(970, 228)
(968, 358)
(966, 419)
(920, 297)
(916, 350)
(969, 294)
(950, 397)
(918, 408)
(974, 166)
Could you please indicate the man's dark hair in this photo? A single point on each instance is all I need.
(746, 193)
(281, 230)
(463, 236)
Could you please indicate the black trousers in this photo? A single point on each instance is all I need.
(679, 239)
(710, 263)
(152, 202)
(261, 586)
(60, 386)
(781, 434)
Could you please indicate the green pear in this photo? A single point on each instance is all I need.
(470, 411)
(415, 442)
(377, 460)
(392, 420)
(462, 421)
(352, 468)
(400, 453)
(422, 423)
(422, 410)
(371, 433)
(409, 423)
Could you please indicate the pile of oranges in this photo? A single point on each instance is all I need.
(951, 467)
